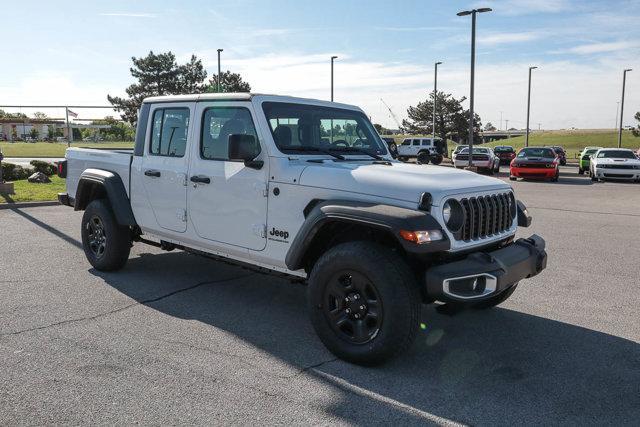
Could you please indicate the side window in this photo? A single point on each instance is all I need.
(406, 142)
(426, 142)
(220, 122)
(416, 142)
(169, 132)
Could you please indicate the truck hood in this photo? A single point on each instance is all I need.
(400, 181)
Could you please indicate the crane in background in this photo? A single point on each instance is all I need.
(395, 118)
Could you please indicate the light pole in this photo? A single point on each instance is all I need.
(526, 138)
(473, 14)
(332, 59)
(435, 97)
(617, 108)
(219, 82)
(624, 80)
(501, 119)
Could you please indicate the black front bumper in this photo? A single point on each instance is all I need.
(482, 275)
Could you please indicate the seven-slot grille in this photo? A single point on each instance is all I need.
(486, 215)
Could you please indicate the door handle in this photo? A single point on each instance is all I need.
(199, 179)
(152, 172)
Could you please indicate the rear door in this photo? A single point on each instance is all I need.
(163, 167)
(227, 200)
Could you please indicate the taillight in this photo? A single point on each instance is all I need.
(62, 169)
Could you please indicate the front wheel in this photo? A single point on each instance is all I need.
(423, 158)
(437, 159)
(496, 299)
(106, 243)
(364, 302)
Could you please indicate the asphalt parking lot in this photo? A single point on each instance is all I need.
(179, 339)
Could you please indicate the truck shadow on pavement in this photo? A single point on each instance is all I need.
(477, 367)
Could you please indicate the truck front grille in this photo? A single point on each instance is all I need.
(486, 215)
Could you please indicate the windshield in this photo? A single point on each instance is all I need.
(302, 128)
(476, 150)
(590, 151)
(503, 149)
(546, 153)
(616, 154)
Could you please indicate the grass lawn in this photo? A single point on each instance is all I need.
(28, 192)
(52, 149)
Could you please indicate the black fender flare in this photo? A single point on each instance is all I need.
(524, 219)
(390, 219)
(114, 190)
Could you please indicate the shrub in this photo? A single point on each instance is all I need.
(44, 167)
(11, 172)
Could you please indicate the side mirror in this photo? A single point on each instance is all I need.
(244, 148)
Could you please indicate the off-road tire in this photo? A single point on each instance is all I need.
(437, 159)
(397, 290)
(423, 158)
(495, 300)
(111, 251)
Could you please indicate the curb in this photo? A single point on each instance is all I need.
(27, 204)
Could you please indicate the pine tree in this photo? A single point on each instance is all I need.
(231, 82)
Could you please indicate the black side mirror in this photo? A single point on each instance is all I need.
(244, 148)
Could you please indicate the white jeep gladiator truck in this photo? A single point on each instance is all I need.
(306, 189)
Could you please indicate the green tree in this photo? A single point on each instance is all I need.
(636, 130)
(489, 127)
(33, 133)
(5, 115)
(39, 115)
(231, 82)
(157, 75)
(452, 120)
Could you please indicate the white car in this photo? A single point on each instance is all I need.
(305, 190)
(483, 158)
(614, 163)
(414, 147)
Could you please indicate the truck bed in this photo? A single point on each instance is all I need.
(117, 161)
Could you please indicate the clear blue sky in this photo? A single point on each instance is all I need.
(77, 52)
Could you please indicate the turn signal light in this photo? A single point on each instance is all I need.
(420, 237)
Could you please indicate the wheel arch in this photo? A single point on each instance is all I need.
(100, 184)
(333, 222)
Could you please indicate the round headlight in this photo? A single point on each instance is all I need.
(453, 215)
(446, 212)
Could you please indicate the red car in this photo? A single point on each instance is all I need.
(535, 162)
(505, 153)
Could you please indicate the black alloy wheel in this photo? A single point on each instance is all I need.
(353, 307)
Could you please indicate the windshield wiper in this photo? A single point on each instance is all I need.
(317, 150)
(359, 151)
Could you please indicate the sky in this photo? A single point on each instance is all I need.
(71, 52)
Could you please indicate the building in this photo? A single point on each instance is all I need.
(18, 129)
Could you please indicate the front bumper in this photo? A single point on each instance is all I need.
(65, 199)
(633, 174)
(482, 275)
(533, 172)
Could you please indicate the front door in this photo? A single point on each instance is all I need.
(164, 166)
(227, 200)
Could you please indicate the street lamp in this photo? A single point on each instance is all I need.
(219, 82)
(332, 59)
(435, 97)
(624, 80)
(526, 138)
(473, 13)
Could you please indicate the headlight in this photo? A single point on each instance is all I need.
(453, 215)
(446, 212)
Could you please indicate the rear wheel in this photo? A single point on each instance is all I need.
(364, 302)
(437, 159)
(423, 158)
(106, 243)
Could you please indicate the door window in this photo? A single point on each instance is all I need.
(220, 122)
(416, 142)
(169, 132)
(406, 142)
